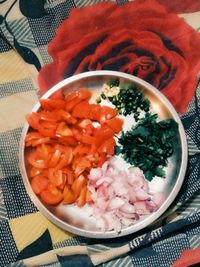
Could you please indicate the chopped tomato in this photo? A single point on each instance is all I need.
(89, 129)
(81, 110)
(80, 164)
(51, 195)
(69, 196)
(65, 159)
(39, 141)
(103, 133)
(78, 184)
(84, 123)
(69, 176)
(33, 120)
(63, 130)
(107, 147)
(70, 96)
(76, 134)
(81, 150)
(68, 140)
(84, 94)
(35, 161)
(51, 125)
(66, 144)
(88, 196)
(67, 116)
(56, 177)
(47, 132)
(81, 200)
(94, 113)
(34, 171)
(49, 104)
(88, 139)
(72, 103)
(115, 124)
(39, 183)
(32, 136)
(54, 159)
(51, 116)
(102, 159)
(43, 150)
(107, 113)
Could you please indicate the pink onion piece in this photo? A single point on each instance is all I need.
(120, 197)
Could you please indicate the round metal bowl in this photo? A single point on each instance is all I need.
(76, 220)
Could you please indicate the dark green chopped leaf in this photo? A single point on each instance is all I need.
(114, 83)
(117, 150)
(130, 100)
(149, 144)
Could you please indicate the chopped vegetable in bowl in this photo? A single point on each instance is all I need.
(76, 144)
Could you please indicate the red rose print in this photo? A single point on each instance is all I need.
(142, 39)
(180, 6)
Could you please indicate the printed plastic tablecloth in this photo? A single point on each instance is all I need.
(45, 41)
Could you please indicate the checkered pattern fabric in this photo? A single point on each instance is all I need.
(26, 28)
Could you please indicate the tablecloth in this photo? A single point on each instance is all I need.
(45, 41)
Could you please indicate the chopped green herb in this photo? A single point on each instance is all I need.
(149, 144)
(114, 83)
(129, 100)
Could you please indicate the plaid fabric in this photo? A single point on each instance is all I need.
(26, 28)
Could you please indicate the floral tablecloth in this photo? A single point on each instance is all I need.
(45, 41)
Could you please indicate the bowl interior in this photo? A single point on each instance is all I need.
(77, 220)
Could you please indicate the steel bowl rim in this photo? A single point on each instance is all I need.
(151, 218)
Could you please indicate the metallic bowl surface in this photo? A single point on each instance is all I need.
(75, 220)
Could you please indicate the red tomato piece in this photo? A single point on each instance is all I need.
(65, 159)
(34, 171)
(84, 123)
(81, 150)
(33, 120)
(69, 176)
(81, 110)
(67, 116)
(115, 124)
(56, 177)
(39, 141)
(72, 103)
(70, 96)
(107, 147)
(32, 136)
(69, 196)
(81, 200)
(107, 113)
(88, 139)
(76, 134)
(94, 113)
(80, 164)
(54, 159)
(102, 159)
(68, 140)
(84, 94)
(47, 132)
(51, 116)
(44, 150)
(49, 104)
(63, 130)
(78, 184)
(48, 125)
(33, 160)
(103, 133)
(39, 183)
(51, 195)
